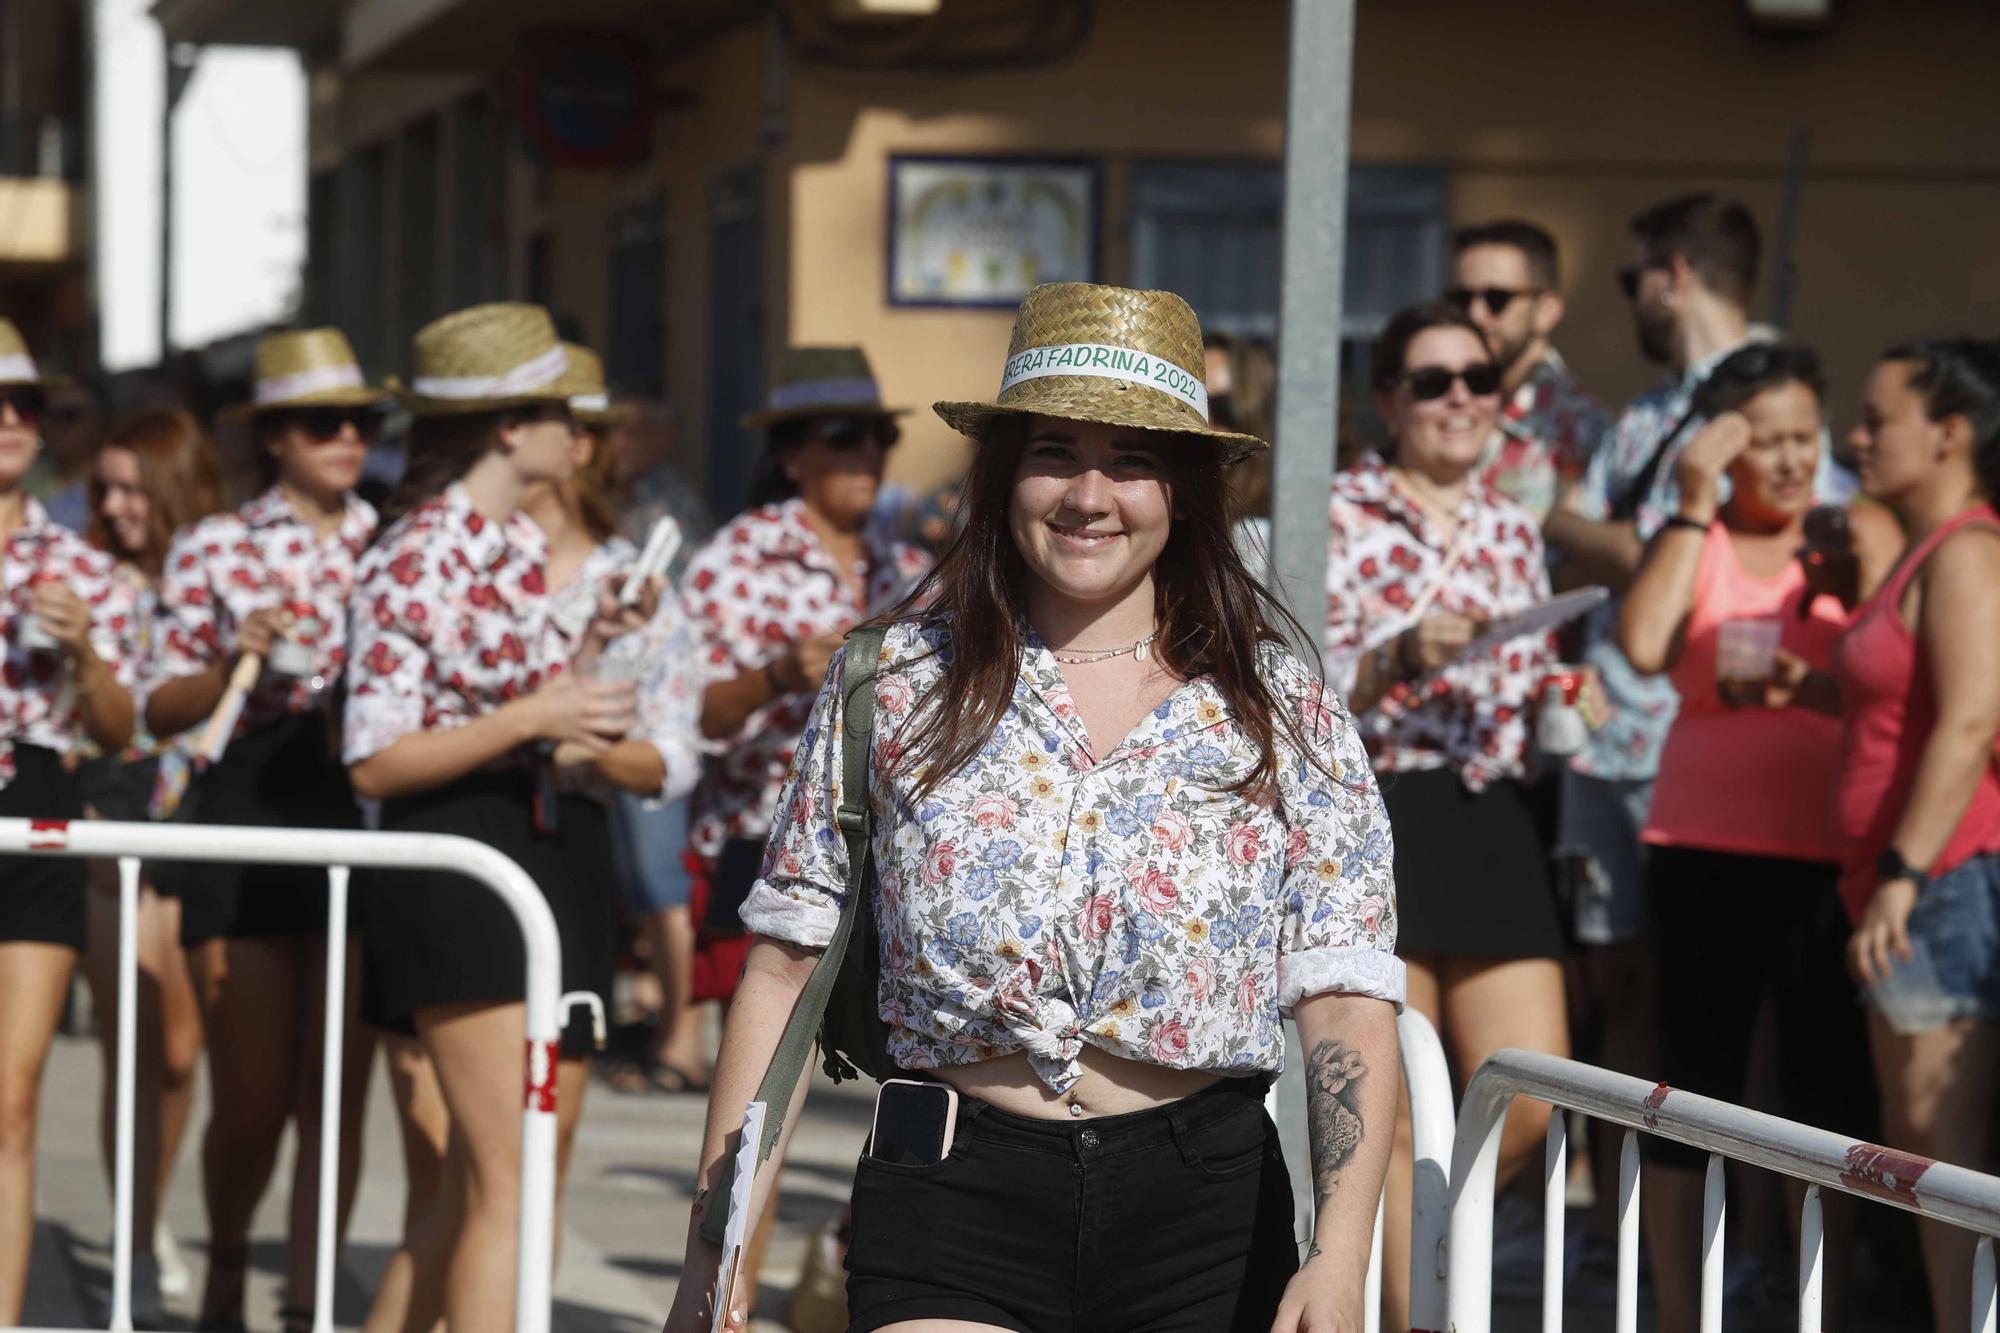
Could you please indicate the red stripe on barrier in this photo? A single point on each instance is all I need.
(47, 835)
(541, 1091)
(1654, 1101)
(1884, 1172)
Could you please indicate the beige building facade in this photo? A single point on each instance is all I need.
(757, 208)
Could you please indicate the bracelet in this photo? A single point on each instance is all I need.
(1683, 521)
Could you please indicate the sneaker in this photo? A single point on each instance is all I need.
(176, 1278)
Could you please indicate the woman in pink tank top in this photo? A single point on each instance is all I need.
(1917, 799)
(1739, 831)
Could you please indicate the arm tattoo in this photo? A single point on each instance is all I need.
(1333, 1112)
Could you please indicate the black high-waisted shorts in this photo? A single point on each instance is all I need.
(1174, 1220)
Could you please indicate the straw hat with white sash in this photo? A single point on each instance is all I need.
(487, 358)
(583, 384)
(17, 366)
(298, 368)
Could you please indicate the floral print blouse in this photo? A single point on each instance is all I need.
(450, 620)
(1385, 552)
(223, 568)
(1048, 897)
(663, 658)
(38, 704)
(764, 582)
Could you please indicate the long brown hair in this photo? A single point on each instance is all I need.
(179, 470)
(592, 486)
(1215, 618)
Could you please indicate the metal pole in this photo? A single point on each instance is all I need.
(1812, 1264)
(1714, 1222)
(1320, 62)
(329, 1098)
(180, 61)
(1626, 1319)
(1555, 1197)
(128, 1056)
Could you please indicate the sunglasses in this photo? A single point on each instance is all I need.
(30, 404)
(1495, 299)
(1434, 382)
(324, 424)
(842, 434)
(1630, 274)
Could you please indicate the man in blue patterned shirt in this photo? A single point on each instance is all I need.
(1694, 267)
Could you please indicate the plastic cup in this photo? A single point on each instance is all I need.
(1746, 656)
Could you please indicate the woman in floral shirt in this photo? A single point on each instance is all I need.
(270, 579)
(464, 691)
(155, 472)
(1423, 556)
(1119, 832)
(771, 594)
(68, 633)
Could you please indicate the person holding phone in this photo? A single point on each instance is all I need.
(1423, 555)
(260, 594)
(1120, 831)
(1741, 821)
(68, 634)
(1917, 791)
(771, 594)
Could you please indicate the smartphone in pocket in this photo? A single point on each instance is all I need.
(915, 1122)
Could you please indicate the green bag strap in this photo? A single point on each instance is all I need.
(856, 819)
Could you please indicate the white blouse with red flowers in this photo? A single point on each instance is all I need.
(38, 703)
(450, 620)
(1385, 554)
(761, 584)
(1049, 896)
(663, 659)
(224, 568)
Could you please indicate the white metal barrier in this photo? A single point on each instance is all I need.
(1824, 1160)
(339, 851)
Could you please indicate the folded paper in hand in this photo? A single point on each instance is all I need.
(736, 1230)
(1542, 616)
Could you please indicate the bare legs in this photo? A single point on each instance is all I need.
(262, 1002)
(669, 938)
(430, 1215)
(33, 980)
(357, 1055)
(1938, 1100)
(1479, 1006)
(168, 1045)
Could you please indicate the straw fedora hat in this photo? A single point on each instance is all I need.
(1108, 355)
(486, 358)
(308, 368)
(17, 366)
(822, 382)
(583, 384)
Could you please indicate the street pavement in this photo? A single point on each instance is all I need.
(624, 1223)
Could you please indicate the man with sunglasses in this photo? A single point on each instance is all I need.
(1504, 279)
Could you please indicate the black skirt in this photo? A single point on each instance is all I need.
(1472, 876)
(284, 775)
(41, 897)
(434, 937)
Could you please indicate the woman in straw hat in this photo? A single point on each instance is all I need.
(1120, 830)
(463, 691)
(155, 472)
(772, 593)
(68, 625)
(250, 647)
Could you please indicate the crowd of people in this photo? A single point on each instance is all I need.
(1733, 824)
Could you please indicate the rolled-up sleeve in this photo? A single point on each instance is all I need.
(803, 887)
(1340, 892)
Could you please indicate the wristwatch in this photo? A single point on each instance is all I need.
(1890, 865)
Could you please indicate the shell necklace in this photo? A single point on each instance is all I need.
(1140, 650)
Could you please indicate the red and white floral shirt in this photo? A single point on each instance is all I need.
(1056, 893)
(222, 569)
(663, 659)
(764, 582)
(1385, 553)
(38, 704)
(450, 619)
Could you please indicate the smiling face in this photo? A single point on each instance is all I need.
(837, 463)
(1440, 437)
(1091, 509)
(1772, 481)
(125, 509)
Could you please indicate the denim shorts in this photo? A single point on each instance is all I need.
(647, 840)
(1173, 1220)
(1955, 934)
(1598, 835)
